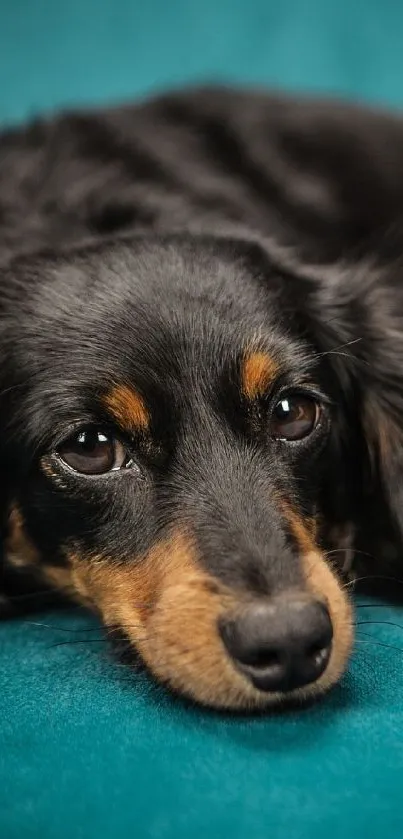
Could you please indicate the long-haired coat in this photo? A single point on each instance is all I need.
(201, 381)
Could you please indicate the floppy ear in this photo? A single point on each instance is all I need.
(19, 586)
(358, 313)
(21, 589)
(384, 436)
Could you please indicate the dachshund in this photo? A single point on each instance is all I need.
(201, 392)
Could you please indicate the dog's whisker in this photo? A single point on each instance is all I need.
(364, 553)
(64, 590)
(367, 577)
(355, 551)
(30, 595)
(369, 640)
(108, 639)
(109, 633)
(341, 346)
(379, 623)
(79, 641)
(68, 629)
(60, 628)
(337, 348)
(348, 343)
(372, 605)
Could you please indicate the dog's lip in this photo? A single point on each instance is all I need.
(256, 701)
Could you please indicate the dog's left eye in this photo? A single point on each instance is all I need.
(295, 417)
(93, 451)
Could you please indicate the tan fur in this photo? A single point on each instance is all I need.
(258, 372)
(22, 553)
(169, 608)
(128, 408)
(19, 550)
(323, 583)
(62, 579)
(302, 530)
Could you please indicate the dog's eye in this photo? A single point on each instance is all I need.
(295, 417)
(93, 451)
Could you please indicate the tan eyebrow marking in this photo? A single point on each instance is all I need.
(259, 370)
(128, 408)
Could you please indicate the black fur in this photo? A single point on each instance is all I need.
(150, 245)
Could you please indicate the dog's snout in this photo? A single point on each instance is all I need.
(282, 644)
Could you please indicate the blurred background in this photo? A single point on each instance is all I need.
(58, 53)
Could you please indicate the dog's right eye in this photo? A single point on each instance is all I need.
(295, 417)
(94, 451)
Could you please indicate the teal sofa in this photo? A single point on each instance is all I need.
(88, 749)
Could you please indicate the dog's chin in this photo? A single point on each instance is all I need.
(180, 644)
(170, 611)
(221, 689)
(190, 658)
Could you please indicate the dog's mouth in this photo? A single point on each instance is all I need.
(127, 655)
(220, 650)
(182, 645)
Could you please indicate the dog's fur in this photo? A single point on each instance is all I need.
(168, 271)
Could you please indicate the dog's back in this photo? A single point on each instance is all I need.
(324, 176)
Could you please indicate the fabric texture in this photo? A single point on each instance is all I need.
(54, 54)
(88, 749)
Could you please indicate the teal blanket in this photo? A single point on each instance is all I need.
(88, 750)
(55, 53)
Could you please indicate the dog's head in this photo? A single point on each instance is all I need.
(180, 438)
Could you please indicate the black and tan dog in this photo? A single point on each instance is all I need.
(202, 378)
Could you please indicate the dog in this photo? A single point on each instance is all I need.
(201, 396)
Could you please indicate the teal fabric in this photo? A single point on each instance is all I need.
(89, 750)
(86, 750)
(54, 53)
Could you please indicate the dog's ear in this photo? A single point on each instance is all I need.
(382, 424)
(358, 314)
(21, 590)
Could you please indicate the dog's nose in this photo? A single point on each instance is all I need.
(280, 645)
